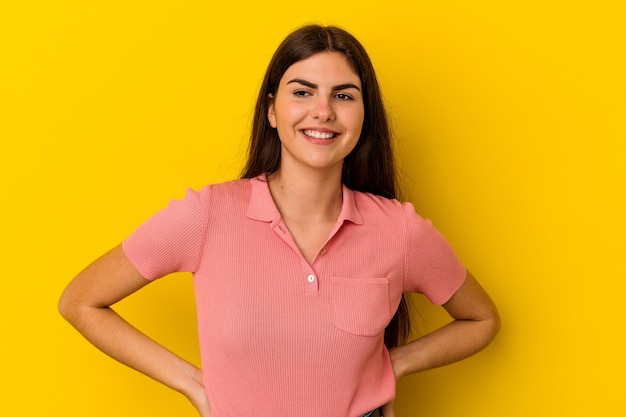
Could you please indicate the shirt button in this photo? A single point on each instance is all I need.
(311, 278)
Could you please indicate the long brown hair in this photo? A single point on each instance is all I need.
(370, 167)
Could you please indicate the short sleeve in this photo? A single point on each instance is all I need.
(171, 240)
(432, 267)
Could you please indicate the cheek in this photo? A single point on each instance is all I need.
(285, 113)
(357, 122)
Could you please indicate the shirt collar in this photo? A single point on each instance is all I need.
(262, 207)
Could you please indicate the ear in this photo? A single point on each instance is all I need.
(271, 115)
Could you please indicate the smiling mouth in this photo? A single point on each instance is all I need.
(319, 135)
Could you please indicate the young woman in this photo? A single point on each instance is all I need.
(300, 266)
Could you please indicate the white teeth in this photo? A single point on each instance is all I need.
(319, 135)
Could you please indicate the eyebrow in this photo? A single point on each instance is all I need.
(312, 85)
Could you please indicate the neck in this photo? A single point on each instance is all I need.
(311, 196)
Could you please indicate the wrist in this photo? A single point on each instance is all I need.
(185, 378)
(399, 362)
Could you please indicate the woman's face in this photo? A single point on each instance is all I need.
(318, 112)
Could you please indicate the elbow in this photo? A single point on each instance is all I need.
(68, 306)
(487, 327)
(485, 331)
(493, 326)
(64, 306)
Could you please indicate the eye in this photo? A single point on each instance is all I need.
(344, 96)
(301, 93)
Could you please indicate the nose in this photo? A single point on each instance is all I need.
(322, 109)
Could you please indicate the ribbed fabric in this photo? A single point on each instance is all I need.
(280, 337)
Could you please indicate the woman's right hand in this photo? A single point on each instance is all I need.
(197, 394)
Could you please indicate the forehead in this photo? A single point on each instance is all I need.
(324, 67)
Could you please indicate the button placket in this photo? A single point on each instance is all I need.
(311, 280)
(309, 277)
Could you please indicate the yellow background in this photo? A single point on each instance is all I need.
(510, 120)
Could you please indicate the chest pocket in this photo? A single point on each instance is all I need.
(361, 305)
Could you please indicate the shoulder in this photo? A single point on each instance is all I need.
(218, 191)
(229, 193)
(401, 217)
(232, 185)
(375, 205)
(194, 205)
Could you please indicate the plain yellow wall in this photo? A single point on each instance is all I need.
(510, 120)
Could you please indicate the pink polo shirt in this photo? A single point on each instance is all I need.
(280, 337)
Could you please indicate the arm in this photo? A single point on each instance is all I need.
(86, 304)
(476, 322)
